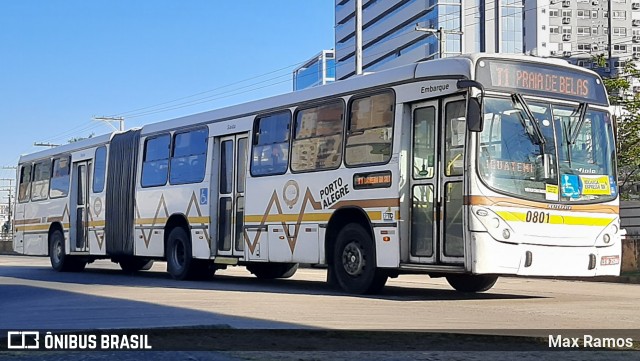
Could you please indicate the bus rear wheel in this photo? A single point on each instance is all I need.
(354, 261)
(472, 283)
(60, 261)
(180, 263)
(267, 271)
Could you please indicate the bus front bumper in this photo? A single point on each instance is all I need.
(489, 256)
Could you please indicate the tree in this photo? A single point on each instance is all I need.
(627, 103)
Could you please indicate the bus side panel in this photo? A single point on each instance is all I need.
(97, 199)
(156, 205)
(151, 217)
(35, 228)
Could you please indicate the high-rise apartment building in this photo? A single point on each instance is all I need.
(578, 30)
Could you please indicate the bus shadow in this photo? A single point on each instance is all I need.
(34, 307)
(249, 284)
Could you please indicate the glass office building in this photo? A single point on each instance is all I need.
(319, 70)
(390, 37)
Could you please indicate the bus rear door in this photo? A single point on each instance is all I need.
(229, 206)
(79, 206)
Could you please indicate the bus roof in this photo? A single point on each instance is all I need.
(67, 148)
(457, 66)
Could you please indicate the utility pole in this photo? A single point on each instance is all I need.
(108, 120)
(440, 34)
(358, 37)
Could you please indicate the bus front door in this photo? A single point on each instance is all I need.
(232, 166)
(436, 186)
(79, 228)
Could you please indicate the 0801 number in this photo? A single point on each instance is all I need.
(538, 217)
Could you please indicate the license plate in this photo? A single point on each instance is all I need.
(609, 260)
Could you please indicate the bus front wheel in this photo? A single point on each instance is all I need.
(60, 261)
(472, 283)
(354, 261)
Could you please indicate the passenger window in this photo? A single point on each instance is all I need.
(60, 178)
(370, 130)
(24, 189)
(189, 156)
(455, 124)
(41, 177)
(271, 144)
(100, 169)
(317, 142)
(155, 166)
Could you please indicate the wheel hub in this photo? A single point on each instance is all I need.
(179, 255)
(352, 259)
(57, 251)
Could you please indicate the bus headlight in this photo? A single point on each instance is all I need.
(495, 222)
(506, 234)
(610, 235)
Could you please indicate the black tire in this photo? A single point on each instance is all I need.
(180, 263)
(472, 283)
(134, 264)
(60, 261)
(354, 261)
(267, 271)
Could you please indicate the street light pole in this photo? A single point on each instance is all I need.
(440, 34)
(108, 120)
(358, 37)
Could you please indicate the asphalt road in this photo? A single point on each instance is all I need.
(33, 296)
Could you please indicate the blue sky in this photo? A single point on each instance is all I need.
(64, 61)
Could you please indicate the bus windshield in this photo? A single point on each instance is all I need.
(547, 152)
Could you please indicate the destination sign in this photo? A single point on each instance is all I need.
(541, 79)
(372, 180)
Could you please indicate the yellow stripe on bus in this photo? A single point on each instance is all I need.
(308, 217)
(317, 217)
(38, 227)
(162, 221)
(556, 219)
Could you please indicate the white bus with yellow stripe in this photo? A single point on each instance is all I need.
(468, 167)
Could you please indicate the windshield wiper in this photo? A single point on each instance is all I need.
(582, 111)
(519, 100)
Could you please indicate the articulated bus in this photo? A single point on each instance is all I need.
(468, 168)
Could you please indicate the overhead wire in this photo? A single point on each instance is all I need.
(168, 105)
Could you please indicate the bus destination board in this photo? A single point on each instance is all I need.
(541, 79)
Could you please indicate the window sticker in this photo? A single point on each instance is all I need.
(570, 185)
(613, 185)
(595, 185)
(551, 192)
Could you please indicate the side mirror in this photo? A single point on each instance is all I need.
(475, 120)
